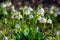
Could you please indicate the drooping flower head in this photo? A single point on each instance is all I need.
(49, 21)
(42, 19)
(3, 5)
(41, 12)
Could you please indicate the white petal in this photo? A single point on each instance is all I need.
(42, 20)
(8, 4)
(3, 5)
(49, 21)
(17, 25)
(30, 16)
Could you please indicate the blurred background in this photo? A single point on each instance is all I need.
(34, 3)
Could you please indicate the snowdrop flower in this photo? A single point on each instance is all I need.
(4, 12)
(8, 4)
(41, 12)
(27, 12)
(49, 21)
(30, 9)
(21, 8)
(58, 32)
(16, 13)
(55, 15)
(13, 8)
(17, 25)
(25, 33)
(51, 10)
(30, 16)
(20, 16)
(42, 20)
(3, 5)
(52, 7)
(16, 17)
(5, 38)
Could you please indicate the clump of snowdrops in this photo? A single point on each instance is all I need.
(27, 24)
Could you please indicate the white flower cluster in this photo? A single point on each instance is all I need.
(7, 4)
(16, 15)
(51, 10)
(28, 10)
(41, 17)
(44, 20)
(13, 8)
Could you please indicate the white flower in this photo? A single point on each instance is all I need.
(3, 5)
(20, 16)
(16, 13)
(30, 9)
(5, 38)
(4, 12)
(16, 17)
(8, 4)
(42, 20)
(41, 12)
(17, 25)
(30, 16)
(51, 10)
(27, 12)
(13, 8)
(49, 21)
(55, 15)
(21, 8)
(25, 33)
(52, 7)
(58, 32)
